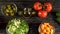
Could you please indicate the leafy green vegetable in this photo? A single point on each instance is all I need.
(17, 26)
(58, 14)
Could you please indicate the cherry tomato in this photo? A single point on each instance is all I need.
(48, 6)
(37, 6)
(42, 14)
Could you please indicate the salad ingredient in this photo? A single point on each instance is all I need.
(9, 9)
(58, 14)
(48, 6)
(42, 14)
(17, 26)
(27, 12)
(37, 6)
(46, 28)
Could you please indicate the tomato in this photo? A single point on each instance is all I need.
(42, 14)
(48, 6)
(37, 6)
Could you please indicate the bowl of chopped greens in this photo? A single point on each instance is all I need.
(17, 26)
(9, 9)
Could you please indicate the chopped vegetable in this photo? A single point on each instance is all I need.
(9, 9)
(27, 12)
(17, 26)
(58, 14)
(46, 28)
(33, 12)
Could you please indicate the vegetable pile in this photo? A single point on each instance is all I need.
(27, 12)
(17, 26)
(46, 28)
(42, 8)
(9, 9)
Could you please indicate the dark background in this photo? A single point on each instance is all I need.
(33, 22)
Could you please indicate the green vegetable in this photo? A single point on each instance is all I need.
(17, 26)
(58, 14)
(58, 19)
(9, 9)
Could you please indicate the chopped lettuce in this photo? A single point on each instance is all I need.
(17, 26)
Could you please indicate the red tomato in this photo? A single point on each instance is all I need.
(48, 6)
(37, 6)
(42, 14)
